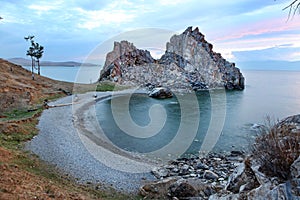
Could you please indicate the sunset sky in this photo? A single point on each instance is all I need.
(242, 30)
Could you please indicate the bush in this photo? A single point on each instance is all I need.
(276, 148)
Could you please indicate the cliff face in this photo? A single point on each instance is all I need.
(189, 63)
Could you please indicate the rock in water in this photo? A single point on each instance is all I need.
(189, 63)
(161, 93)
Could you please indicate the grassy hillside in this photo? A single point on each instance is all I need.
(22, 175)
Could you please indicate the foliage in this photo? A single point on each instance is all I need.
(109, 86)
(276, 148)
(35, 51)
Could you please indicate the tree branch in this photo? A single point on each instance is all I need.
(293, 7)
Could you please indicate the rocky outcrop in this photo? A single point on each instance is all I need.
(161, 93)
(189, 63)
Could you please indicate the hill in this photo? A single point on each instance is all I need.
(27, 62)
(19, 91)
(22, 175)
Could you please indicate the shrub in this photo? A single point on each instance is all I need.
(276, 148)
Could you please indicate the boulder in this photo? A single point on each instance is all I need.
(161, 93)
(157, 189)
(295, 169)
(182, 190)
(160, 172)
(270, 191)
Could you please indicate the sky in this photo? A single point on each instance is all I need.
(80, 30)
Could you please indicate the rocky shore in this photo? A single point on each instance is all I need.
(236, 175)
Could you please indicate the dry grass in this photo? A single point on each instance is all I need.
(276, 148)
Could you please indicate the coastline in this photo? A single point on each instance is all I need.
(65, 141)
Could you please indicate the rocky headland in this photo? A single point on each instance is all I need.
(189, 63)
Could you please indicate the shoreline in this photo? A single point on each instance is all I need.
(65, 141)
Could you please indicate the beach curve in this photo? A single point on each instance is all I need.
(66, 140)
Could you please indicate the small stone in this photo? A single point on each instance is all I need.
(220, 179)
(160, 172)
(217, 159)
(202, 166)
(210, 175)
(175, 170)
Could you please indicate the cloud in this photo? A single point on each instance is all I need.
(41, 8)
(95, 19)
(282, 52)
(73, 28)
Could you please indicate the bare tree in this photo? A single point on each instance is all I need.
(293, 7)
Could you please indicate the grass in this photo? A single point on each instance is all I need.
(110, 86)
(276, 148)
(20, 114)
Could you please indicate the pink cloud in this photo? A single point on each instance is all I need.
(260, 28)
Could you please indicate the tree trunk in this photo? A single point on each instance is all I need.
(38, 62)
(32, 63)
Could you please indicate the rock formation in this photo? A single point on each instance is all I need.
(189, 63)
(161, 93)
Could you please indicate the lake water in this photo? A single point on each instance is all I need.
(86, 74)
(267, 93)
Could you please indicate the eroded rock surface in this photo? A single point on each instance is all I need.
(189, 63)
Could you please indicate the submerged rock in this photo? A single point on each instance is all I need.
(189, 63)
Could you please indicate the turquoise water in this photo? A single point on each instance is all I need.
(268, 93)
(272, 93)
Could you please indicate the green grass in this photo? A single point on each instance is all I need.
(20, 114)
(110, 86)
(14, 140)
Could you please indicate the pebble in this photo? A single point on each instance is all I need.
(210, 175)
(213, 168)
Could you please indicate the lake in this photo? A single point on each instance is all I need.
(267, 93)
(86, 74)
(232, 124)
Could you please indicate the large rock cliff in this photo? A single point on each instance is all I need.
(189, 63)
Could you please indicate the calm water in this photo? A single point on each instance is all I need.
(70, 74)
(273, 93)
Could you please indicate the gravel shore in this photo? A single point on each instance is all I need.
(65, 140)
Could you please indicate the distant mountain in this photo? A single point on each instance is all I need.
(269, 65)
(27, 62)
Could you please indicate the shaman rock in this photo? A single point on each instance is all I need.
(189, 63)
